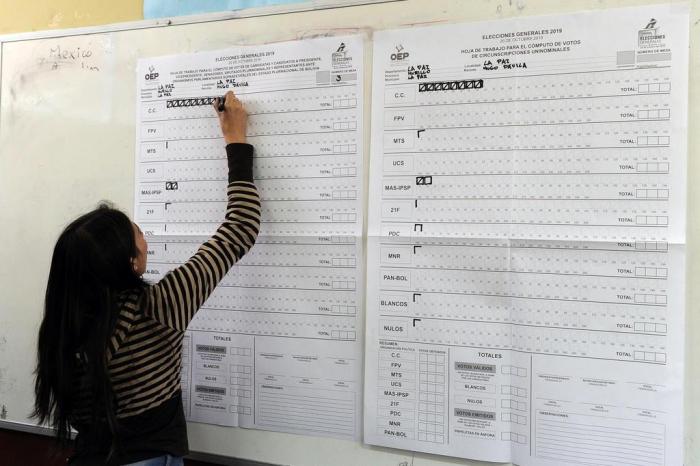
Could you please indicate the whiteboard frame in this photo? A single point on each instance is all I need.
(692, 323)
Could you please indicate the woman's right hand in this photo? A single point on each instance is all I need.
(233, 119)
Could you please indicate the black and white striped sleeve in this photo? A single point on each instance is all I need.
(175, 299)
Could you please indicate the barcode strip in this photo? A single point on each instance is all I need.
(211, 349)
(205, 389)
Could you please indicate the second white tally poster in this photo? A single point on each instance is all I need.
(525, 270)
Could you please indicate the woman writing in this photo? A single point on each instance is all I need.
(109, 352)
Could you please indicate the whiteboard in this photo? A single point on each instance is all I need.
(67, 141)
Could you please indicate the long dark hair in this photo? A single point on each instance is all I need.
(90, 267)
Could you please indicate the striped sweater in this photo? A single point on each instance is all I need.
(145, 351)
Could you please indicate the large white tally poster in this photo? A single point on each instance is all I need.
(525, 262)
(278, 345)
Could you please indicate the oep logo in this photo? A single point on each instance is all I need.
(151, 75)
(400, 55)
